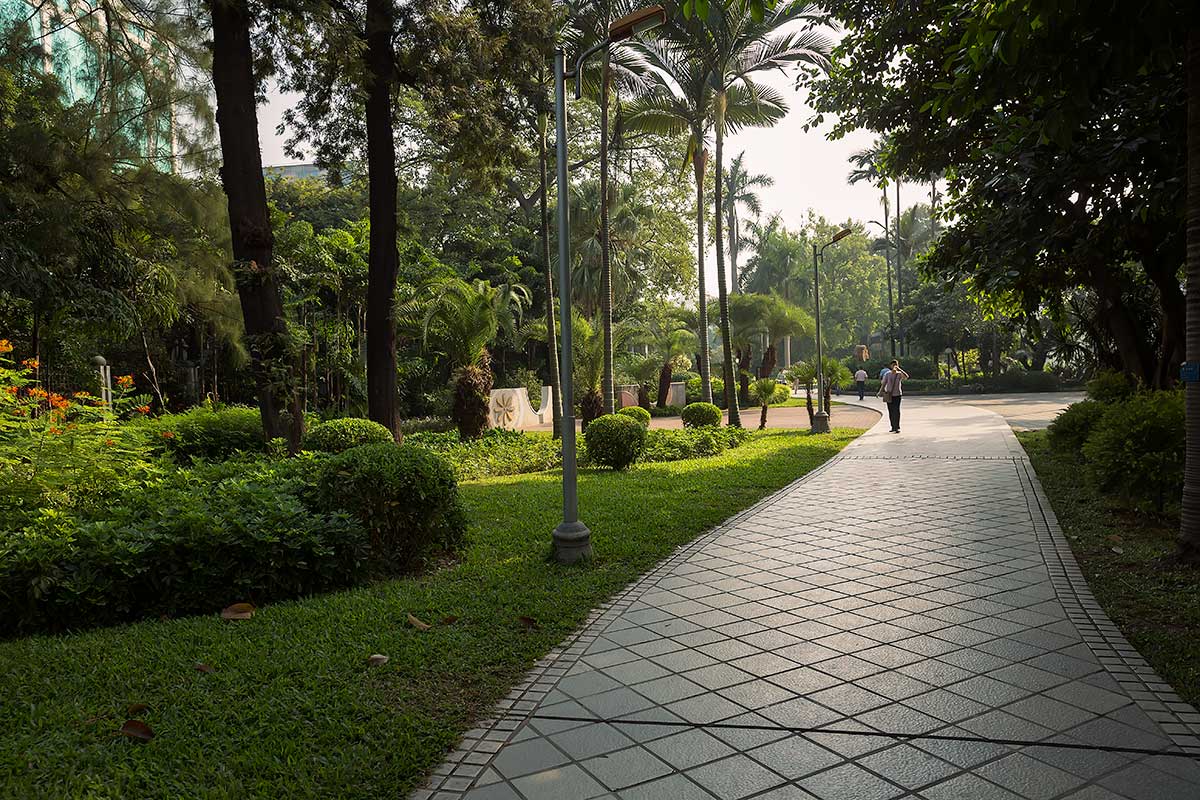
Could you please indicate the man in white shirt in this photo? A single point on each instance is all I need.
(860, 379)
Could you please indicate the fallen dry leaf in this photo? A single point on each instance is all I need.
(204, 668)
(418, 624)
(377, 660)
(529, 622)
(238, 611)
(450, 620)
(136, 729)
(136, 708)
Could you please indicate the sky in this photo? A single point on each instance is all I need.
(809, 170)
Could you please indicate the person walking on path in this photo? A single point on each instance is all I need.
(860, 380)
(892, 390)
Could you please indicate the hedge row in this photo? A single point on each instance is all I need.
(237, 531)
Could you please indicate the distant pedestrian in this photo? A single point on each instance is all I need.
(883, 373)
(892, 390)
(860, 380)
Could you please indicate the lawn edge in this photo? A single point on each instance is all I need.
(475, 750)
(1120, 659)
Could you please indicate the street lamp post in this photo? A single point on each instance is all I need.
(820, 423)
(572, 539)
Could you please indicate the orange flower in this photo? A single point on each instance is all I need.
(31, 363)
(11, 389)
(81, 395)
(59, 402)
(56, 431)
(143, 409)
(125, 381)
(38, 392)
(5, 346)
(168, 434)
(108, 442)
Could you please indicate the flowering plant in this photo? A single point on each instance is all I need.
(60, 450)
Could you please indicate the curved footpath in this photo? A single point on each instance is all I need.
(906, 621)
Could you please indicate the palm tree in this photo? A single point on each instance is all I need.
(625, 231)
(739, 191)
(461, 319)
(764, 390)
(588, 23)
(734, 44)
(869, 167)
(588, 350)
(675, 98)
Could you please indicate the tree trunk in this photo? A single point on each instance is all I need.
(887, 255)
(899, 263)
(767, 367)
(732, 233)
(544, 224)
(664, 383)
(266, 336)
(383, 262)
(607, 388)
(1189, 518)
(743, 374)
(762, 421)
(698, 163)
(731, 398)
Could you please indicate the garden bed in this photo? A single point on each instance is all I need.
(287, 705)
(1129, 561)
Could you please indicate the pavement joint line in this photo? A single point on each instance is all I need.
(906, 737)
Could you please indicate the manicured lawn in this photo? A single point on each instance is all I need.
(1152, 599)
(293, 711)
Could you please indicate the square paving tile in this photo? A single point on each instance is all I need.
(623, 768)
(735, 777)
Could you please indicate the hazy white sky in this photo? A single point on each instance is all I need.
(809, 170)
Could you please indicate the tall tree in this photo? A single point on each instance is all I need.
(740, 187)
(733, 45)
(1189, 529)
(235, 86)
(676, 98)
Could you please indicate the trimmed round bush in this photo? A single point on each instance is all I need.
(699, 415)
(615, 440)
(338, 435)
(1136, 449)
(1071, 428)
(205, 434)
(406, 497)
(638, 413)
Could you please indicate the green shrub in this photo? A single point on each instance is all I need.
(615, 440)
(405, 496)
(427, 424)
(718, 390)
(337, 435)
(497, 452)
(638, 413)
(203, 433)
(664, 444)
(1070, 429)
(666, 411)
(698, 415)
(239, 531)
(1110, 387)
(1136, 449)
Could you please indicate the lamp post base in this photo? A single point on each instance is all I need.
(820, 422)
(572, 542)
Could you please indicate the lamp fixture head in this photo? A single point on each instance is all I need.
(635, 22)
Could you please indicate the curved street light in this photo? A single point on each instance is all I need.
(572, 539)
(820, 422)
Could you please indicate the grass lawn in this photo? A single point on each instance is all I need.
(292, 710)
(1152, 599)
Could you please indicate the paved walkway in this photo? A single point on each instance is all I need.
(906, 621)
